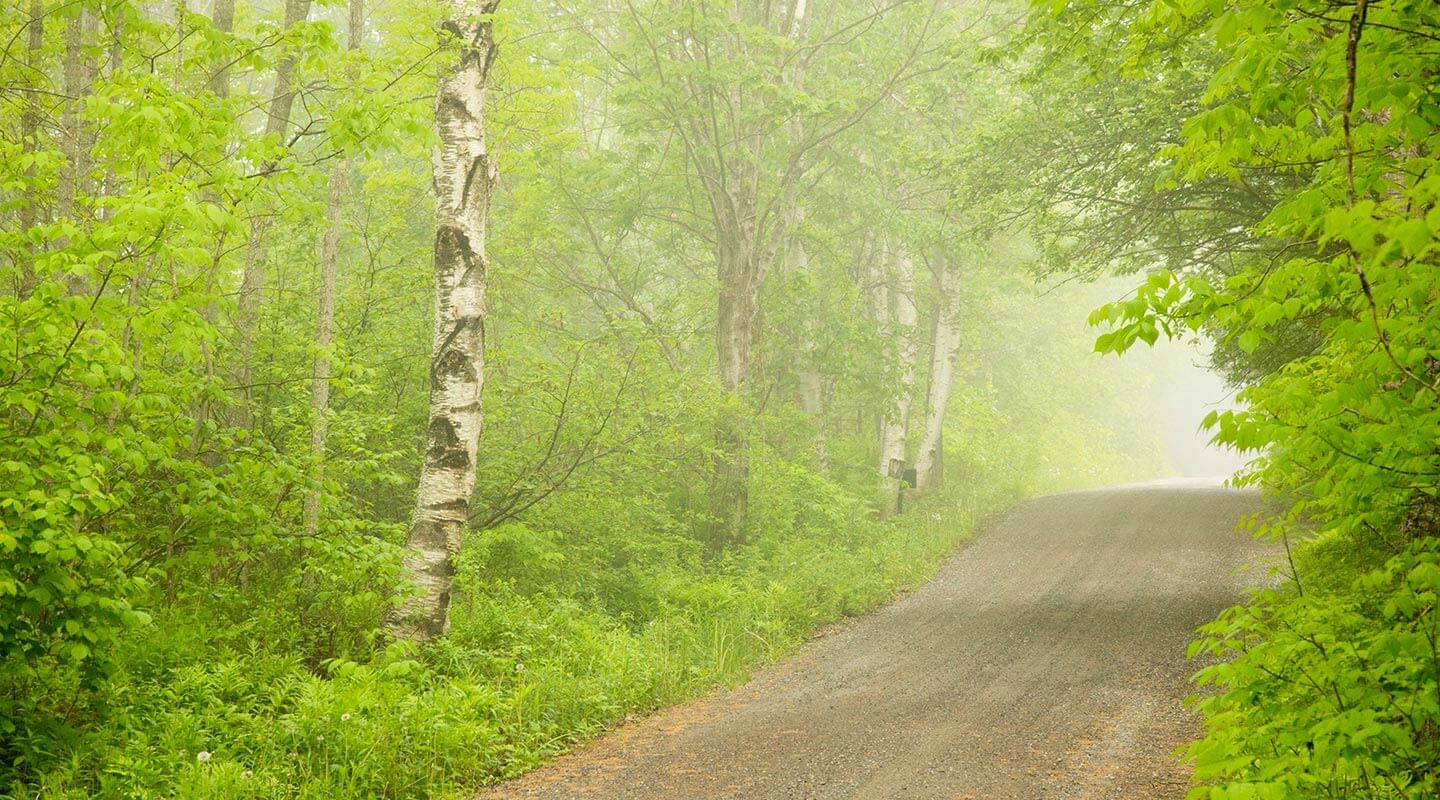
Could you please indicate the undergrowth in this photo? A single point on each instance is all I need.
(540, 657)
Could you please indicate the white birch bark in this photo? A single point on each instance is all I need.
(895, 430)
(464, 174)
(929, 463)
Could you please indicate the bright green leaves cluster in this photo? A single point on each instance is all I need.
(124, 493)
(69, 468)
(1164, 303)
(1336, 696)
(1322, 299)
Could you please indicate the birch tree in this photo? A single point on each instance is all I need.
(902, 316)
(464, 174)
(944, 356)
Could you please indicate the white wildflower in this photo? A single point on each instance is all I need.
(203, 756)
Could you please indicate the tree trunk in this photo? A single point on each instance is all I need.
(325, 309)
(252, 283)
(746, 246)
(77, 75)
(738, 307)
(464, 174)
(222, 16)
(740, 272)
(324, 337)
(282, 99)
(929, 464)
(812, 383)
(895, 430)
(29, 214)
(876, 288)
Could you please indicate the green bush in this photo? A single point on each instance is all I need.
(1328, 693)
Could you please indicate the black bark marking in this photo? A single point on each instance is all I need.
(445, 450)
(452, 250)
(427, 534)
(478, 165)
(452, 247)
(452, 363)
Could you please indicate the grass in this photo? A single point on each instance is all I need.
(529, 670)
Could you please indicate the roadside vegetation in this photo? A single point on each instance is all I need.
(1276, 182)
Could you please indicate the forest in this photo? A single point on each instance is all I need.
(395, 395)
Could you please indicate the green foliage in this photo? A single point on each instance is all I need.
(549, 646)
(1340, 690)
(1318, 282)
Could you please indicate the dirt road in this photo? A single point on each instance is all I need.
(1046, 661)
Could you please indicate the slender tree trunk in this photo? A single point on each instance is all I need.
(464, 174)
(895, 430)
(813, 396)
(29, 214)
(325, 308)
(77, 77)
(114, 63)
(282, 99)
(324, 337)
(876, 282)
(812, 383)
(875, 286)
(222, 16)
(252, 283)
(929, 464)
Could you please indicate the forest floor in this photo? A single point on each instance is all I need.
(1046, 660)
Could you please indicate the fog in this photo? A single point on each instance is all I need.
(1183, 391)
(1169, 387)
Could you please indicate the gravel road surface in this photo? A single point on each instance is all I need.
(1047, 660)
